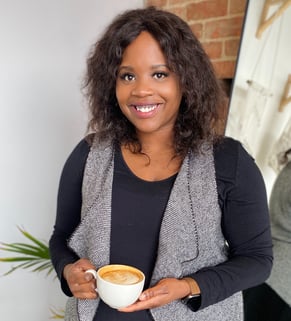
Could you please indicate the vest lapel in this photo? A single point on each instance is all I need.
(92, 237)
(178, 241)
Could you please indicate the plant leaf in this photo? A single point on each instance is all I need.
(33, 256)
(27, 250)
(33, 239)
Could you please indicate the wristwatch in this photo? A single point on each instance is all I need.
(193, 302)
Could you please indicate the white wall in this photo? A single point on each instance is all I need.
(42, 59)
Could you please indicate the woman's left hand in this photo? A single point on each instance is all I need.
(165, 291)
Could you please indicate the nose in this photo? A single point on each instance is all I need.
(142, 88)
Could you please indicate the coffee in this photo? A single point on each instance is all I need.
(122, 276)
(118, 285)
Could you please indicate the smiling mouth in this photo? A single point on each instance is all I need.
(145, 108)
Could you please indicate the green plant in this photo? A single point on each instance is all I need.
(34, 255)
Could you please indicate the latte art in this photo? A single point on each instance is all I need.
(121, 277)
(119, 285)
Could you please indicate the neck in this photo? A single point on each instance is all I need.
(157, 143)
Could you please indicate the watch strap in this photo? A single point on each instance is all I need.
(194, 288)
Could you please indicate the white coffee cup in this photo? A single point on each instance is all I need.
(118, 285)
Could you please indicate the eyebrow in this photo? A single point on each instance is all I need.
(152, 67)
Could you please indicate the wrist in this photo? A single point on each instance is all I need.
(193, 286)
(193, 299)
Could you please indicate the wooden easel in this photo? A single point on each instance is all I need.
(286, 98)
(266, 22)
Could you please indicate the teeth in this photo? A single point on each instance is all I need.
(146, 108)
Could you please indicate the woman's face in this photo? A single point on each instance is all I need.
(148, 93)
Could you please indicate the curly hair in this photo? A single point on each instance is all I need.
(202, 94)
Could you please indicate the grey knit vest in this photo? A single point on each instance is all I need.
(190, 234)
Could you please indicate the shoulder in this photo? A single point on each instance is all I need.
(233, 162)
(81, 151)
(229, 148)
(228, 154)
(90, 143)
(226, 148)
(236, 168)
(77, 159)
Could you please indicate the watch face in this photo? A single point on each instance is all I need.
(194, 303)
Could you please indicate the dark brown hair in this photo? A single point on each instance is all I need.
(185, 56)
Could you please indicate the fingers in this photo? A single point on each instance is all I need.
(81, 284)
(150, 300)
(153, 292)
(166, 291)
(84, 291)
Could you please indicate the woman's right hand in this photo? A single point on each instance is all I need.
(81, 284)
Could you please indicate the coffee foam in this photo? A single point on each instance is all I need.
(121, 277)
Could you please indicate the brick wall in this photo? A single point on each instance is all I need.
(217, 24)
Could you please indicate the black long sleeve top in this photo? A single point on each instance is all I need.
(245, 221)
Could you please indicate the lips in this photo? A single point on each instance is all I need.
(144, 110)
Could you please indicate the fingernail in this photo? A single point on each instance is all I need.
(142, 297)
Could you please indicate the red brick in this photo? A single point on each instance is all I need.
(224, 69)
(213, 49)
(156, 3)
(223, 28)
(237, 6)
(197, 29)
(206, 9)
(179, 11)
(231, 47)
(180, 2)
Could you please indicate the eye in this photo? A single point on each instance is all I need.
(127, 77)
(160, 75)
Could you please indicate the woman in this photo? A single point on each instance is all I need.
(153, 187)
(272, 299)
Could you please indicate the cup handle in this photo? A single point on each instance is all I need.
(93, 272)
